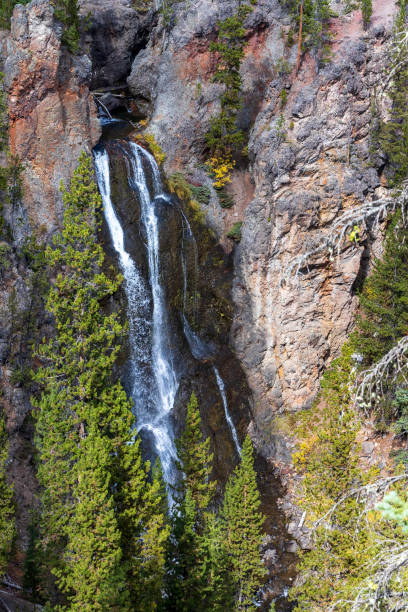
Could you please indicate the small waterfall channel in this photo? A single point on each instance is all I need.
(154, 361)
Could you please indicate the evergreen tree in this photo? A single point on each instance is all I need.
(224, 138)
(93, 574)
(186, 576)
(7, 525)
(313, 19)
(394, 133)
(366, 11)
(195, 458)
(242, 530)
(67, 11)
(6, 11)
(394, 507)
(32, 563)
(93, 479)
(384, 299)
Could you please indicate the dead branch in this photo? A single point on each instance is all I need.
(373, 212)
(393, 366)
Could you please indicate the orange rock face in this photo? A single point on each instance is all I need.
(52, 114)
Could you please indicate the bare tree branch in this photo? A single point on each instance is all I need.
(373, 212)
(392, 367)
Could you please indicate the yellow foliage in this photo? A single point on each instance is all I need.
(305, 447)
(151, 143)
(221, 168)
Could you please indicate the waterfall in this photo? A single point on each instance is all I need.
(231, 425)
(203, 352)
(154, 377)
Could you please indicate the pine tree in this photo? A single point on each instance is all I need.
(186, 578)
(142, 517)
(87, 451)
(7, 525)
(394, 507)
(384, 299)
(394, 132)
(366, 11)
(313, 18)
(6, 11)
(214, 575)
(195, 458)
(93, 574)
(67, 11)
(32, 562)
(242, 530)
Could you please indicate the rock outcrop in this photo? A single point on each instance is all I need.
(51, 112)
(115, 34)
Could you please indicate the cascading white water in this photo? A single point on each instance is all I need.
(154, 378)
(231, 425)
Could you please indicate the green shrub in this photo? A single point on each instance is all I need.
(67, 11)
(235, 231)
(225, 199)
(201, 193)
(6, 11)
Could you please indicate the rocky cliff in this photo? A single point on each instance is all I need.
(309, 160)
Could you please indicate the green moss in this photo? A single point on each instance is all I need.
(201, 193)
(224, 198)
(235, 231)
(148, 140)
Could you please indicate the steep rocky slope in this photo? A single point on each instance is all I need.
(302, 172)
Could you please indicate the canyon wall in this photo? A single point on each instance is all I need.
(303, 171)
(310, 159)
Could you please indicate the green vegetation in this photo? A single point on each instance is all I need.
(224, 137)
(366, 11)
(214, 558)
(99, 513)
(235, 232)
(6, 11)
(186, 572)
(384, 298)
(201, 193)
(328, 459)
(241, 527)
(142, 5)
(312, 17)
(67, 11)
(7, 526)
(190, 195)
(225, 199)
(393, 134)
(149, 141)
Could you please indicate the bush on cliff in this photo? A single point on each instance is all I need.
(67, 11)
(6, 11)
(7, 524)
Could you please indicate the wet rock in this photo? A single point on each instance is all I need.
(115, 34)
